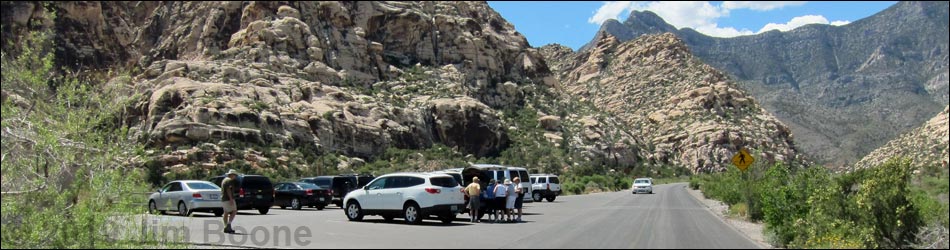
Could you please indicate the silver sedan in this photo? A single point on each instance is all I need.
(186, 197)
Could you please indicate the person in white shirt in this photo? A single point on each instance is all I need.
(501, 197)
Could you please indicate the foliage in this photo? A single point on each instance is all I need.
(66, 161)
(438, 157)
(814, 208)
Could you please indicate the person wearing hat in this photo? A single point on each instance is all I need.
(228, 185)
(474, 191)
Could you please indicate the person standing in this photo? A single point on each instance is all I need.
(510, 202)
(501, 196)
(228, 185)
(474, 191)
(519, 202)
(490, 199)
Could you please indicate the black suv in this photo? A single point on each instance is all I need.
(254, 192)
(339, 185)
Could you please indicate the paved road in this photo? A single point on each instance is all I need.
(671, 218)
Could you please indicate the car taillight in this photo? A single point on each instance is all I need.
(196, 195)
(309, 192)
(433, 190)
(241, 192)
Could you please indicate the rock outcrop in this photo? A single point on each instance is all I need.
(690, 114)
(843, 90)
(927, 145)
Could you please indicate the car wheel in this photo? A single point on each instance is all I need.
(551, 198)
(153, 208)
(263, 211)
(320, 207)
(412, 214)
(295, 204)
(353, 211)
(447, 219)
(536, 196)
(183, 209)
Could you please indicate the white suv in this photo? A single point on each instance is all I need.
(545, 186)
(412, 196)
(643, 185)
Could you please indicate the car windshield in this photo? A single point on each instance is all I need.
(642, 182)
(202, 186)
(257, 182)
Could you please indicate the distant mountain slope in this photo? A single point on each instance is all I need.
(689, 114)
(843, 90)
(926, 145)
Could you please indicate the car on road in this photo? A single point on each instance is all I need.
(412, 196)
(643, 185)
(185, 197)
(297, 195)
(254, 192)
(545, 186)
(338, 185)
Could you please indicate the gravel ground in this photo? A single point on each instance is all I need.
(752, 230)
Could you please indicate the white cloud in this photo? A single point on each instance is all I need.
(610, 10)
(840, 23)
(703, 16)
(759, 5)
(800, 21)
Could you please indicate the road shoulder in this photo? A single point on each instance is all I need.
(753, 231)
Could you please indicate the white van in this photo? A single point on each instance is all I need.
(500, 173)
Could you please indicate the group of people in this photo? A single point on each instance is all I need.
(502, 199)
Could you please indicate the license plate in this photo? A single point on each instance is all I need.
(214, 197)
(322, 199)
(455, 208)
(260, 196)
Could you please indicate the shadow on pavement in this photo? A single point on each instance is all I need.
(429, 223)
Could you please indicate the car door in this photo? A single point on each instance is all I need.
(173, 195)
(279, 194)
(395, 189)
(162, 200)
(370, 200)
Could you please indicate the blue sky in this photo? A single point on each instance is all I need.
(574, 23)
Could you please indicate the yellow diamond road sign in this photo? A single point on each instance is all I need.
(743, 159)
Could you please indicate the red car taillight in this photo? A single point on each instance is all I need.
(433, 190)
(309, 192)
(241, 192)
(196, 195)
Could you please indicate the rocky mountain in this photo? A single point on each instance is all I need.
(926, 145)
(275, 84)
(688, 113)
(843, 90)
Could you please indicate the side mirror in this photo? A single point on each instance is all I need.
(365, 187)
(158, 191)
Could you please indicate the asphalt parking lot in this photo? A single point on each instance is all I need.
(671, 218)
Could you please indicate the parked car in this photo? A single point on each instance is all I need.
(643, 185)
(297, 195)
(339, 186)
(254, 192)
(456, 174)
(487, 172)
(545, 186)
(185, 197)
(500, 173)
(412, 196)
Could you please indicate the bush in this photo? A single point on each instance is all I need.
(64, 156)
